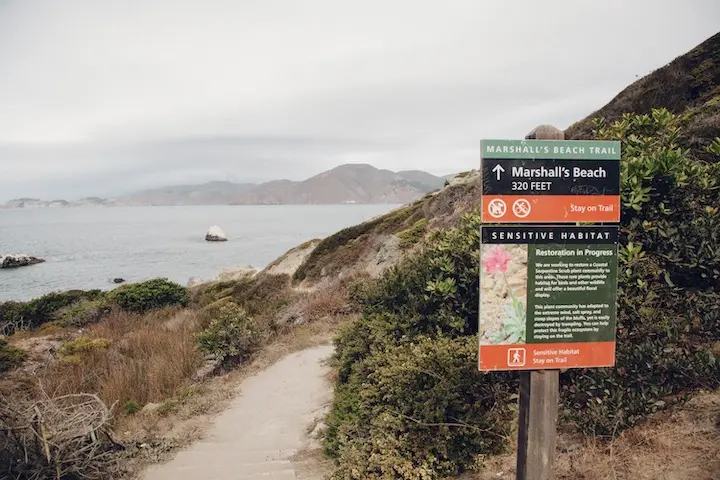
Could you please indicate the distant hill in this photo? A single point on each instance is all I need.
(690, 84)
(212, 193)
(351, 183)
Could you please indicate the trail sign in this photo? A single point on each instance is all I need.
(547, 297)
(550, 181)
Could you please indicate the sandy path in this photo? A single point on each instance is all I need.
(264, 426)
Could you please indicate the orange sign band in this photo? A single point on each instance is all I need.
(550, 208)
(541, 356)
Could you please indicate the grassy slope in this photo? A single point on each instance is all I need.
(690, 83)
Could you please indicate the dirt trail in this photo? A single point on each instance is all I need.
(264, 426)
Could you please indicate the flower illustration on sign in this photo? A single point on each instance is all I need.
(513, 331)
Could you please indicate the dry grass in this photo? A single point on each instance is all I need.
(148, 359)
(679, 445)
(326, 303)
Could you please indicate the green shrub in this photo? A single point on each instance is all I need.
(131, 407)
(669, 281)
(414, 234)
(83, 345)
(10, 357)
(84, 312)
(149, 295)
(231, 335)
(421, 410)
(668, 320)
(670, 202)
(27, 315)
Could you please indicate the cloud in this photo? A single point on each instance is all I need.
(105, 97)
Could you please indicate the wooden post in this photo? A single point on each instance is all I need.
(539, 396)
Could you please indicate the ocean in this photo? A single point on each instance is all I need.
(86, 248)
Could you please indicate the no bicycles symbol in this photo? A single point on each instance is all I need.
(521, 208)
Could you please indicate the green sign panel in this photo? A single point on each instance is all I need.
(551, 149)
(547, 297)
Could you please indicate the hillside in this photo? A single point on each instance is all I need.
(689, 84)
(351, 183)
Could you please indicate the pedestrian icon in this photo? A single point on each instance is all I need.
(521, 208)
(497, 208)
(516, 357)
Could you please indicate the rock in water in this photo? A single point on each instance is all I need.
(118, 280)
(215, 234)
(20, 260)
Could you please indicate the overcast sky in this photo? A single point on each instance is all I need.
(103, 97)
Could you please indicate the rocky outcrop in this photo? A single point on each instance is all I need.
(464, 177)
(215, 234)
(292, 259)
(20, 260)
(239, 273)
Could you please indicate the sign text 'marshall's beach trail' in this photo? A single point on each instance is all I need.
(553, 181)
(600, 150)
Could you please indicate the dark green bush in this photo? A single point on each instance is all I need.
(32, 314)
(668, 321)
(410, 402)
(421, 411)
(10, 357)
(149, 295)
(231, 335)
(670, 202)
(669, 281)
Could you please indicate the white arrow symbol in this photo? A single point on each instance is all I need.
(498, 170)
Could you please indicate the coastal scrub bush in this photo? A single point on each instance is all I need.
(414, 234)
(669, 280)
(421, 410)
(84, 312)
(668, 322)
(231, 335)
(261, 295)
(670, 201)
(149, 295)
(10, 357)
(27, 315)
(409, 402)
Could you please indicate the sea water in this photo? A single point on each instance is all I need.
(87, 248)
